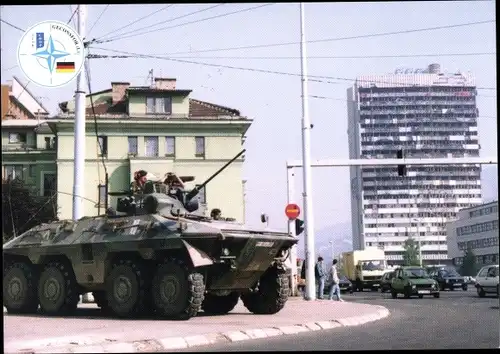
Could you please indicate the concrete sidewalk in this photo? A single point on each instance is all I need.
(92, 332)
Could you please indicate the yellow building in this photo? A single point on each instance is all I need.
(158, 129)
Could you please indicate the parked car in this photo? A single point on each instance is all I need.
(411, 281)
(385, 283)
(344, 284)
(448, 278)
(487, 280)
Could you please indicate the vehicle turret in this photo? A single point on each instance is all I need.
(168, 197)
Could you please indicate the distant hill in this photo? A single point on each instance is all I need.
(489, 183)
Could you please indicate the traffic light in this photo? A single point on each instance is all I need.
(299, 227)
(401, 168)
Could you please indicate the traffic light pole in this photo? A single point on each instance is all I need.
(290, 165)
(392, 162)
(291, 229)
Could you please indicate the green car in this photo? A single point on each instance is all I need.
(411, 281)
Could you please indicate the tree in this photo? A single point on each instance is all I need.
(410, 254)
(469, 265)
(23, 209)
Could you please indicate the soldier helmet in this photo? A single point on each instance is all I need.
(215, 212)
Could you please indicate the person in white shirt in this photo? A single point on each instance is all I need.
(334, 280)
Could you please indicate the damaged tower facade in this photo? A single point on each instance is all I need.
(424, 113)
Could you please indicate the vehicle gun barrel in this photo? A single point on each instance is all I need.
(191, 194)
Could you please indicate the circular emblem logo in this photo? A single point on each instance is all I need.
(51, 54)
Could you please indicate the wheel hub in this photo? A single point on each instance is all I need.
(123, 289)
(52, 289)
(15, 288)
(169, 289)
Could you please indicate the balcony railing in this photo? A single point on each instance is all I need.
(26, 147)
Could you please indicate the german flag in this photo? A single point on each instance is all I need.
(65, 67)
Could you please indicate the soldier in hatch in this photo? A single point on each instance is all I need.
(175, 186)
(216, 214)
(137, 185)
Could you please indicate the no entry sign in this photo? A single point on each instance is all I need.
(292, 211)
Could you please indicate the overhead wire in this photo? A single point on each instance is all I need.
(73, 14)
(11, 25)
(12, 67)
(322, 57)
(98, 18)
(184, 24)
(370, 35)
(103, 161)
(313, 78)
(155, 24)
(140, 19)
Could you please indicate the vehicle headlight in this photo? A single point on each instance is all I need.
(433, 285)
(446, 280)
(410, 283)
(225, 251)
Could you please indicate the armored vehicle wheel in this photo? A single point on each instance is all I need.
(270, 296)
(177, 292)
(57, 289)
(219, 305)
(19, 288)
(126, 288)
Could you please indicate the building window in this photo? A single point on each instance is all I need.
(49, 187)
(17, 138)
(159, 105)
(31, 170)
(47, 143)
(169, 146)
(200, 146)
(101, 191)
(102, 149)
(132, 145)
(13, 172)
(151, 146)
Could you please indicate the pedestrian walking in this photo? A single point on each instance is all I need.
(320, 275)
(334, 281)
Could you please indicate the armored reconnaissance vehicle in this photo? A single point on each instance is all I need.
(158, 258)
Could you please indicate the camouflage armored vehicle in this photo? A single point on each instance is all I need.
(163, 260)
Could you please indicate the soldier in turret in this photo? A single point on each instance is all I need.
(216, 214)
(175, 186)
(137, 185)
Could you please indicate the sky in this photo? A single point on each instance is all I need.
(272, 100)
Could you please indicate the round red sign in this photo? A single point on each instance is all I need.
(292, 211)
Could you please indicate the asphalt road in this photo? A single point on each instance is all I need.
(456, 320)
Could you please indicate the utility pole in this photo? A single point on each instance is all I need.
(306, 159)
(291, 230)
(79, 147)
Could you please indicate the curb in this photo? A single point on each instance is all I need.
(172, 343)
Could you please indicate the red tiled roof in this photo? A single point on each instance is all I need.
(205, 109)
(197, 109)
(106, 108)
